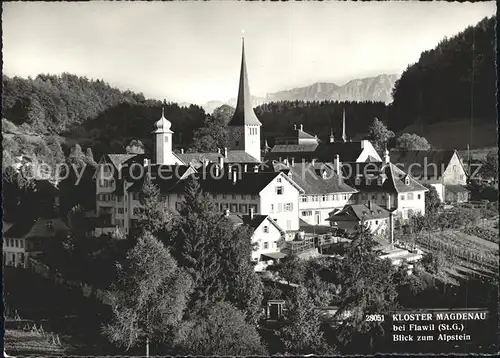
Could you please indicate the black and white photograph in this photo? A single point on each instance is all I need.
(249, 178)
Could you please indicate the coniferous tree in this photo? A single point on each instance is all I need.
(153, 217)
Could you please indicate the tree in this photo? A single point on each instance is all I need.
(411, 141)
(223, 114)
(433, 262)
(135, 147)
(301, 333)
(216, 254)
(379, 134)
(150, 297)
(18, 195)
(292, 269)
(153, 216)
(89, 154)
(489, 167)
(368, 288)
(432, 201)
(212, 136)
(220, 330)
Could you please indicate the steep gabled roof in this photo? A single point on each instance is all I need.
(258, 219)
(430, 164)
(233, 156)
(368, 174)
(119, 159)
(244, 113)
(359, 212)
(310, 177)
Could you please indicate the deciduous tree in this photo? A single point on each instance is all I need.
(379, 134)
(411, 141)
(150, 296)
(220, 330)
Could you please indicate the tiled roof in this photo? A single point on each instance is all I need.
(294, 148)
(173, 181)
(393, 178)
(456, 189)
(422, 163)
(233, 156)
(359, 212)
(310, 177)
(347, 151)
(38, 229)
(118, 159)
(258, 219)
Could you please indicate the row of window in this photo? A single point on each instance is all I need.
(330, 197)
(253, 131)
(266, 245)
(14, 243)
(409, 196)
(106, 183)
(309, 213)
(281, 207)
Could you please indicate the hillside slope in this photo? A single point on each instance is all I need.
(455, 80)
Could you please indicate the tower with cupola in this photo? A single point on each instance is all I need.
(244, 127)
(163, 141)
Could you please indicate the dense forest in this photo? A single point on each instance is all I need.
(319, 118)
(439, 86)
(88, 112)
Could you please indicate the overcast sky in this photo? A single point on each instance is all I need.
(190, 51)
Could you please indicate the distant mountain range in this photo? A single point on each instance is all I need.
(377, 89)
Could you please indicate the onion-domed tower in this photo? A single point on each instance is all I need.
(163, 141)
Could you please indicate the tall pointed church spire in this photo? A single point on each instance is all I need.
(244, 114)
(344, 138)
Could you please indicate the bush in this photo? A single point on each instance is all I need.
(433, 262)
(482, 233)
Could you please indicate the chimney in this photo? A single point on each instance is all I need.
(182, 150)
(146, 162)
(387, 158)
(369, 204)
(226, 212)
(301, 127)
(205, 162)
(363, 144)
(332, 137)
(225, 152)
(295, 127)
(235, 177)
(336, 163)
(229, 172)
(286, 161)
(251, 213)
(391, 228)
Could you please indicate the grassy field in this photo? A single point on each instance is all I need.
(65, 312)
(18, 342)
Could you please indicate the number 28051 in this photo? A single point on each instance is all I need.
(374, 318)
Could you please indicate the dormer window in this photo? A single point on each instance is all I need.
(357, 181)
(49, 224)
(380, 180)
(324, 175)
(368, 181)
(407, 180)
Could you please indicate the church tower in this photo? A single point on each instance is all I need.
(163, 141)
(244, 127)
(344, 137)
